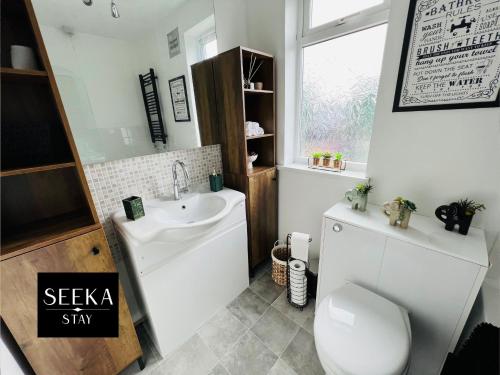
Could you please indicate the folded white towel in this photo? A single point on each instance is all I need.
(253, 128)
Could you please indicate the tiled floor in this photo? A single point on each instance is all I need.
(258, 333)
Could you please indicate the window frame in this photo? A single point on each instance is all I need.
(308, 36)
(203, 40)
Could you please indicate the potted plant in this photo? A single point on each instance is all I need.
(326, 158)
(359, 196)
(337, 162)
(316, 156)
(459, 213)
(399, 211)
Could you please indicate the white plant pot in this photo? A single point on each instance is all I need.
(23, 57)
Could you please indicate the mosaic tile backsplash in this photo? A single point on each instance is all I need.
(148, 177)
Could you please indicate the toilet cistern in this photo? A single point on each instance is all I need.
(177, 189)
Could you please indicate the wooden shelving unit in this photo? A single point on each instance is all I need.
(256, 92)
(45, 197)
(260, 136)
(43, 168)
(11, 73)
(223, 105)
(49, 223)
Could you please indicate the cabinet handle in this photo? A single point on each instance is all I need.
(337, 227)
(95, 250)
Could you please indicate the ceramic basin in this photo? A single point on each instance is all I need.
(168, 220)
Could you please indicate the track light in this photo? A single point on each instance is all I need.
(114, 10)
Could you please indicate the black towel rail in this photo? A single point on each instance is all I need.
(152, 106)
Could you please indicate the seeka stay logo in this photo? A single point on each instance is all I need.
(80, 304)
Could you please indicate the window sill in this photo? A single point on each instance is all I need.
(300, 168)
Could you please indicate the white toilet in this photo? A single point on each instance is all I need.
(358, 332)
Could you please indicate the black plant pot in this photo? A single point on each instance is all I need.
(451, 215)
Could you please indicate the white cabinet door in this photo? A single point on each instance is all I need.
(348, 254)
(434, 288)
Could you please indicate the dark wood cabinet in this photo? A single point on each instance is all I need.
(48, 220)
(223, 106)
(262, 211)
(64, 355)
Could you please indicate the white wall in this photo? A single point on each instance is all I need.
(231, 24)
(99, 85)
(433, 157)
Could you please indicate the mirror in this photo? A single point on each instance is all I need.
(99, 48)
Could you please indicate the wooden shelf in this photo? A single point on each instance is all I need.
(42, 168)
(261, 136)
(253, 91)
(258, 169)
(42, 233)
(11, 73)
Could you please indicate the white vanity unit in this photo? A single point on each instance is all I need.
(434, 274)
(189, 258)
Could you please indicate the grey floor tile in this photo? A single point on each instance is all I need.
(275, 330)
(248, 307)
(309, 325)
(281, 368)
(249, 357)
(267, 288)
(218, 370)
(192, 358)
(298, 316)
(222, 331)
(301, 355)
(260, 270)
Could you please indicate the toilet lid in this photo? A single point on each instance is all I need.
(359, 332)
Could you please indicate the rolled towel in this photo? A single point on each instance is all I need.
(249, 129)
(259, 131)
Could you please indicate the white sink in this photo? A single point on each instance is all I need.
(170, 220)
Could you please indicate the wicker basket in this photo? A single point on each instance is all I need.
(279, 254)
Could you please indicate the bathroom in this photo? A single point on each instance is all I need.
(187, 159)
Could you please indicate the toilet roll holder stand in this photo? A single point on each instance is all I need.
(302, 290)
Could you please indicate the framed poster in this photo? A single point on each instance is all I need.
(450, 57)
(174, 46)
(178, 94)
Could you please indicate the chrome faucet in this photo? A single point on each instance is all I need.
(177, 189)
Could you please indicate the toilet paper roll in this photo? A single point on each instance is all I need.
(298, 282)
(300, 298)
(297, 267)
(300, 246)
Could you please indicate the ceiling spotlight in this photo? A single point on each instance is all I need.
(88, 2)
(114, 9)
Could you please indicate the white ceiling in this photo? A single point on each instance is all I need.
(136, 16)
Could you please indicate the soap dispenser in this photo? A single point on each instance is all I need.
(215, 181)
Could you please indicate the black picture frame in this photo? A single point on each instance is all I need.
(401, 75)
(170, 81)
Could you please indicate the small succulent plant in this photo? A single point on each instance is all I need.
(316, 155)
(409, 205)
(338, 156)
(364, 188)
(470, 207)
(327, 155)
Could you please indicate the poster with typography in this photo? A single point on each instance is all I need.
(450, 57)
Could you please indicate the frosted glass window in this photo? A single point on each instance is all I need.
(339, 91)
(323, 11)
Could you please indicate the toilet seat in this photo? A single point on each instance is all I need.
(358, 332)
